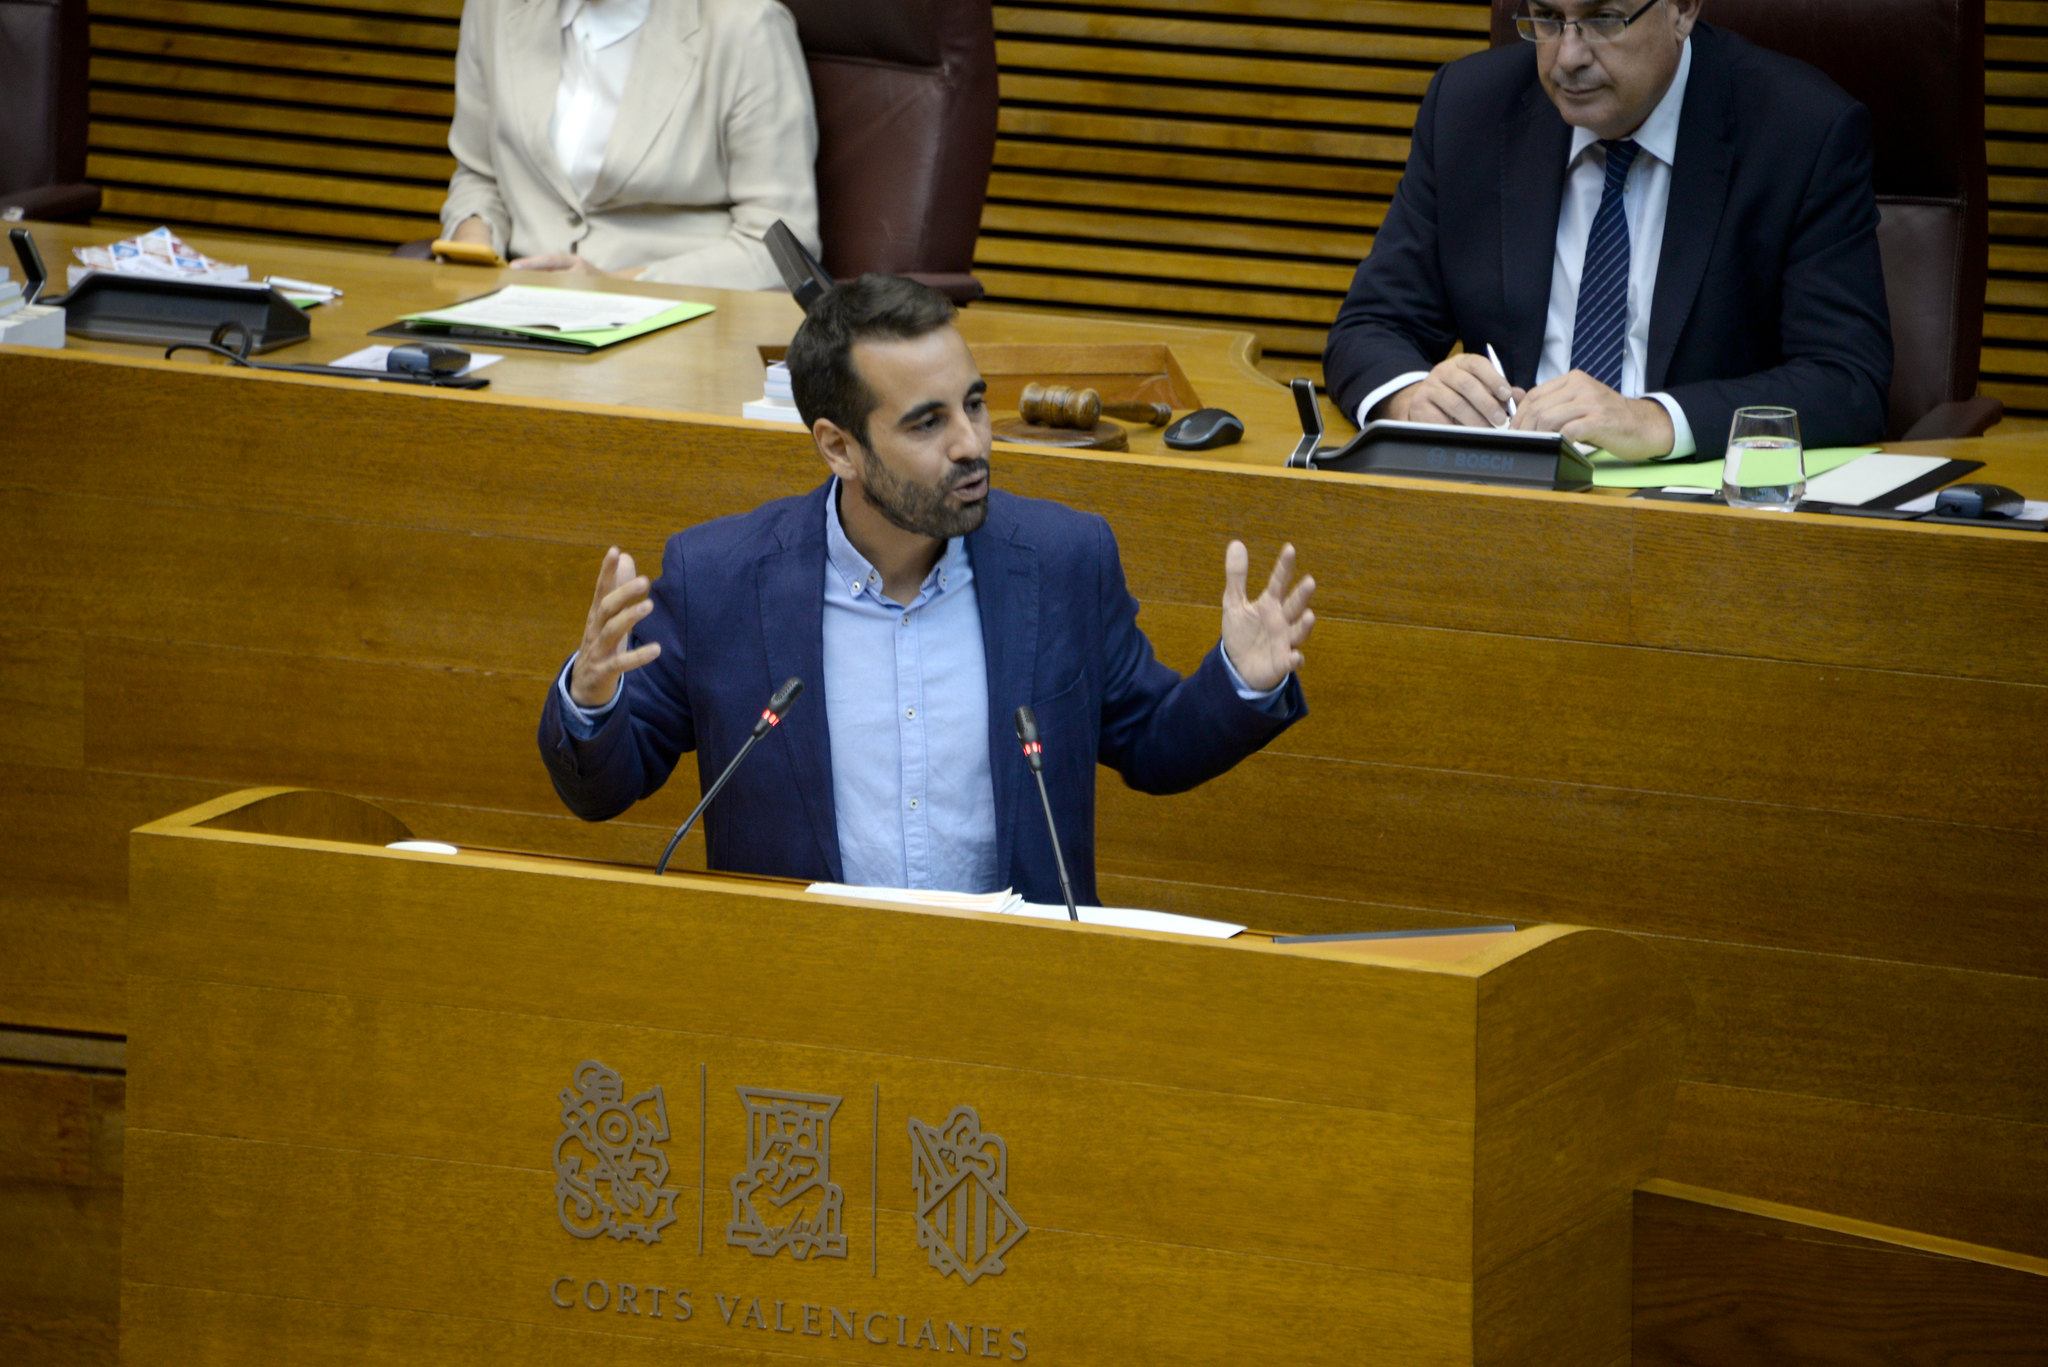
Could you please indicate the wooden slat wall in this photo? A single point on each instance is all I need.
(1213, 161)
(2016, 138)
(322, 122)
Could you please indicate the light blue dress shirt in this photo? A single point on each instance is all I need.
(906, 702)
(906, 688)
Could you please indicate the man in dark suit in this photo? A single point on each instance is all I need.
(922, 608)
(1653, 223)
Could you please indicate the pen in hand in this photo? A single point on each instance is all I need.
(1501, 371)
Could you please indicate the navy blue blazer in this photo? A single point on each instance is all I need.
(1769, 288)
(740, 603)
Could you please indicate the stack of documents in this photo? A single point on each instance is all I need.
(11, 298)
(778, 401)
(1008, 903)
(548, 319)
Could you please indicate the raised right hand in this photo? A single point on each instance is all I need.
(619, 601)
(1463, 391)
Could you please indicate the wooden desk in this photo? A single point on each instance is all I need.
(713, 364)
(1800, 756)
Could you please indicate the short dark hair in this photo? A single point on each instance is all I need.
(874, 307)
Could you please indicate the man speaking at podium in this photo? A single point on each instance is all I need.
(921, 608)
(1652, 222)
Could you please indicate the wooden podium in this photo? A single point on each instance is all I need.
(487, 1108)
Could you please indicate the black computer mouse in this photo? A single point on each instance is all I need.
(427, 358)
(1204, 429)
(1992, 501)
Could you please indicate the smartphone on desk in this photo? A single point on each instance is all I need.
(466, 253)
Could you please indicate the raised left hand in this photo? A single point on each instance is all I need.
(1587, 411)
(1263, 636)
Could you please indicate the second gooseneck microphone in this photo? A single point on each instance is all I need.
(771, 717)
(1027, 736)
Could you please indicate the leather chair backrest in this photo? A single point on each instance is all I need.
(42, 92)
(906, 98)
(1918, 66)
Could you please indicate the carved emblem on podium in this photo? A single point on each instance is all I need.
(786, 1197)
(961, 1179)
(610, 1176)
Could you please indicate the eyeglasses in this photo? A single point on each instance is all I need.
(1600, 28)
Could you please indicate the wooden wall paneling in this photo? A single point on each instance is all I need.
(1534, 708)
(2016, 145)
(60, 1216)
(1960, 1177)
(63, 958)
(42, 676)
(1525, 850)
(64, 832)
(264, 167)
(257, 717)
(1867, 1030)
(1718, 1287)
(196, 574)
(1150, 116)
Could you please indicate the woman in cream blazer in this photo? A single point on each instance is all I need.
(713, 139)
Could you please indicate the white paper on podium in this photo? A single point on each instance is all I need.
(1131, 918)
(1008, 903)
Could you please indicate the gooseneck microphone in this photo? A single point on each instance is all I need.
(771, 717)
(1027, 736)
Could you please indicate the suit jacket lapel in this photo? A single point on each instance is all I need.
(1006, 591)
(665, 69)
(1534, 146)
(791, 581)
(1699, 194)
(532, 50)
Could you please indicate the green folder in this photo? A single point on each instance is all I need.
(1609, 472)
(454, 324)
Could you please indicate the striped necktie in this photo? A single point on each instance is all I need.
(1600, 331)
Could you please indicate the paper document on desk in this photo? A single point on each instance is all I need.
(525, 308)
(1008, 903)
(1865, 480)
(376, 357)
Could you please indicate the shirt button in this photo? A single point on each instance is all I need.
(910, 712)
(913, 804)
(906, 620)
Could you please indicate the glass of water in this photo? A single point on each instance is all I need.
(1765, 466)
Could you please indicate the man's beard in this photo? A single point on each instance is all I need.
(922, 508)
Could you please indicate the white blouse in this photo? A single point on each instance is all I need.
(598, 40)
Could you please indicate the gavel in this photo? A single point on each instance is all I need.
(1062, 405)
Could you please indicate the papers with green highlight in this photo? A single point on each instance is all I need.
(582, 319)
(1610, 472)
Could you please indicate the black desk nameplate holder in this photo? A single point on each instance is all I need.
(111, 307)
(1465, 455)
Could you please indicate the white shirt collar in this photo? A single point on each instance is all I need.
(604, 21)
(1659, 134)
